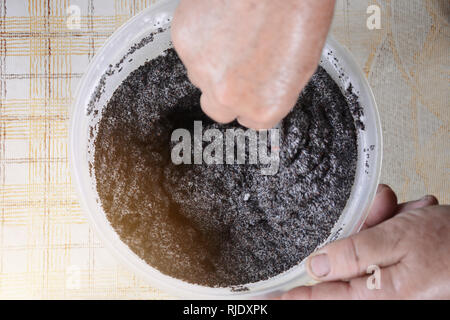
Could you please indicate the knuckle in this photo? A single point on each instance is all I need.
(354, 264)
(266, 116)
(230, 94)
(197, 73)
(344, 256)
(226, 93)
(211, 109)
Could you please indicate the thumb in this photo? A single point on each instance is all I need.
(350, 257)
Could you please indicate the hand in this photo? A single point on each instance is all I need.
(411, 247)
(250, 58)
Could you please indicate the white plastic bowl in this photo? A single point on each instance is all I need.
(83, 129)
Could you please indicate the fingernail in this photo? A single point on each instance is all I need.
(320, 265)
(427, 198)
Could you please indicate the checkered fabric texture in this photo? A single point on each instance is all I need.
(48, 250)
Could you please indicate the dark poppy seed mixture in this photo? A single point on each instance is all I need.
(221, 225)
